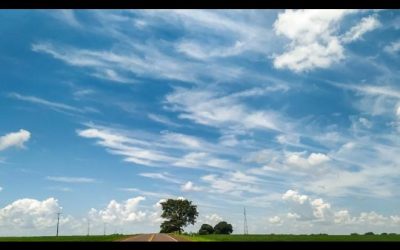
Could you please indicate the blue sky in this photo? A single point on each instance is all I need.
(294, 115)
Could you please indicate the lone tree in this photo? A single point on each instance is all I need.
(206, 229)
(179, 213)
(223, 228)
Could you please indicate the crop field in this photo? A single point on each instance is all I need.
(277, 237)
(93, 238)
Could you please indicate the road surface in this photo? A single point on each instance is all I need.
(151, 238)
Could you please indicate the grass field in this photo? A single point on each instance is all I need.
(292, 237)
(64, 238)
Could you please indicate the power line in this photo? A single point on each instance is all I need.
(245, 228)
(58, 222)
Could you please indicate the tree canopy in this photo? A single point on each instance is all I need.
(223, 228)
(179, 213)
(206, 229)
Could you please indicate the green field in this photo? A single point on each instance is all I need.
(64, 238)
(278, 237)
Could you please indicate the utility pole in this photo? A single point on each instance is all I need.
(88, 227)
(58, 222)
(246, 230)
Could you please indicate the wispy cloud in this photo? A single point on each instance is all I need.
(163, 119)
(52, 105)
(214, 109)
(161, 176)
(67, 179)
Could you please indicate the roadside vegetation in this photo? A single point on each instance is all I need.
(289, 237)
(80, 238)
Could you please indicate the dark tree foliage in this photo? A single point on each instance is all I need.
(223, 228)
(179, 213)
(206, 229)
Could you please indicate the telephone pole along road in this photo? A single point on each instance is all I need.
(151, 238)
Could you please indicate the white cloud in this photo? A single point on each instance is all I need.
(67, 179)
(343, 217)
(227, 185)
(117, 213)
(372, 218)
(163, 119)
(372, 90)
(289, 139)
(314, 159)
(313, 43)
(30, 213)
(52, 105)
(366, 24)
(134, 150)
(365, 122)
(241, 177)
(228, 140)
(161, 176)
(314, 39)
(292, 216)
(322, 210)
(117, 65)
(201, 160)
(190, 187)
(212, 219)
(14, 139)
(275, 220)
(317, 159)
(67, 16)
(1, 189)
(185, 140)
(307, 57)
(295, 196)
(305, 208)
(169, 149)
(212, 109)
(393, 47)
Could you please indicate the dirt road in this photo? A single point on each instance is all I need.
(151, 238)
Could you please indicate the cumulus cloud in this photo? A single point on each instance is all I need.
(30, 213)
(307, 208)
(314, 159)
(314, 39)
(317, 210)
(294, 196)
(14, 139)
(117, 213)
(190, 187)
(212, 219)
(275, 220)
